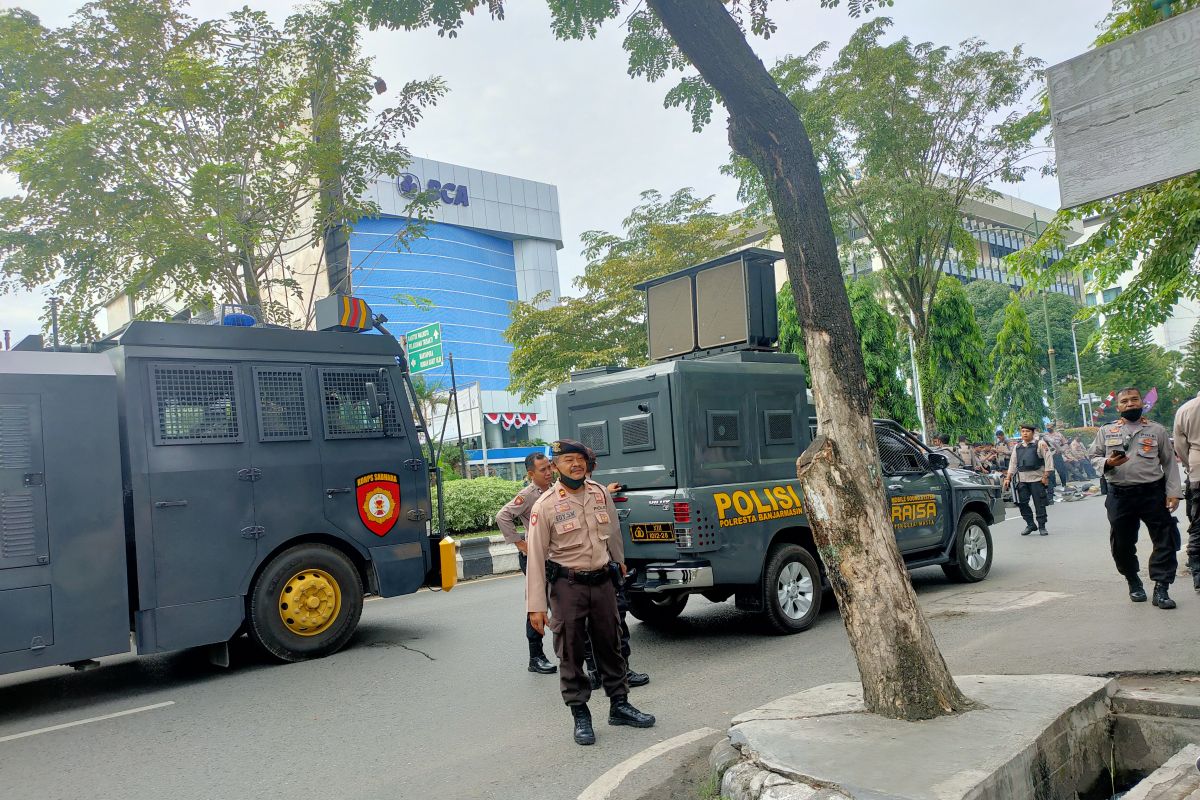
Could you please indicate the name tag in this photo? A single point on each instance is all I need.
(564, 517)
(1113, 440)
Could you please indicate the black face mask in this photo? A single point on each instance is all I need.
(1132, 414)
(571, 483)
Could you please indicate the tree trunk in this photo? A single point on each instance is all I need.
(903, 673)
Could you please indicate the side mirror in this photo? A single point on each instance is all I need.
(373, 400)
(936, 460)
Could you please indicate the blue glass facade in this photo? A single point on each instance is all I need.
(468, 276)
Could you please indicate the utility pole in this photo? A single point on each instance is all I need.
(7, 343)
(54, 301)
(457, 418)
(912, 351)
(1078, 372)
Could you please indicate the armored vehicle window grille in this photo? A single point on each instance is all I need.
(594, 435)
(724, 429)
(16, 444)
(778, 427)
(195, 404)
(897, 456)
(636, 434)
(282, 415)
(347, 410)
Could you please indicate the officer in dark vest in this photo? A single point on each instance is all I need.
(1136, 458)
(1030, 464)
(573, 530)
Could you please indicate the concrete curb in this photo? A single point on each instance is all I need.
(480, 557)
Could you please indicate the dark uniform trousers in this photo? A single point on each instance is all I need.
(575, 610)
(1037, 492)
(622, 610)
(535, 638)
(1128, 506)
(1192, 496)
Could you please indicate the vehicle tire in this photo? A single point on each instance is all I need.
(305, 603)
(657, 609)
(972, 550)
(791, 589)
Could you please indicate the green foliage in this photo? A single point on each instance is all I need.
(472, 505)
(175, 160)
(1189, 374)
(905, 133)
(1016, 387)
(605, 324)
(957, 374)
(1152, 232)
(885, 355)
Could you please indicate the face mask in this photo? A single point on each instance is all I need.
(571, 483)
(1132, 414)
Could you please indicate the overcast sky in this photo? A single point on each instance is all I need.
(566, 113)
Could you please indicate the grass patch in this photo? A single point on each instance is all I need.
(710, 789)
(475, 534)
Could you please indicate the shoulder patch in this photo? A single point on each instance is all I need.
(533, 518)
(519, 500)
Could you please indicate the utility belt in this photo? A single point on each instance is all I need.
(586, 577)
(1137, 488)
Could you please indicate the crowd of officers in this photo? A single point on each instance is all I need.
(573, 558)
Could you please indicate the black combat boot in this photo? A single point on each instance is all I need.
(539, 664)
(620, 712)
(1161, 598)
(1042, 530)
(1137, 592)
(583, 725)
(636, 678)
(1029, 528)
(1194, 567)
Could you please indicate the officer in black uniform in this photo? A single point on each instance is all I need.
(1137, 460)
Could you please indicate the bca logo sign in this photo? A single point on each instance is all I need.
(451, 194)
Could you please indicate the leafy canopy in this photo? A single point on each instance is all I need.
(957, 374)
(1017, 387)
(174, 159)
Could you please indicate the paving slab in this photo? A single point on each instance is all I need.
(1032, 735)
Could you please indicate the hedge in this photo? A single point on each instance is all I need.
(472, 505)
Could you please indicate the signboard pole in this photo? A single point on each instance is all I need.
(483, 437)
(457, 418)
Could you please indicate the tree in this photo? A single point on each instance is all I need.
(1152, 232)
(1017, 388)
(903, 672)
(957, 371)
(605, 325)
(1189, 374)
(884, 356)
(172, 159)
(905, 133)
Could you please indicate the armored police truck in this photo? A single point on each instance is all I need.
(189, 482)
(705, 442)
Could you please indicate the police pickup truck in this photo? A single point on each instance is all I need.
(706, 446)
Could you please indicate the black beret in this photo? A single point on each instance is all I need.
(1028, 426)
(564, 446)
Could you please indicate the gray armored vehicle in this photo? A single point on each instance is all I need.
(185, 483)
(705, 442)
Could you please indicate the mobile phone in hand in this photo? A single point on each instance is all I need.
(1117, 452)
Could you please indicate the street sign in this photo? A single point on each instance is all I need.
(424, 346)
(1124, 115)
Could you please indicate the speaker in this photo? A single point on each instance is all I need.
(669, 311)
(721, 306)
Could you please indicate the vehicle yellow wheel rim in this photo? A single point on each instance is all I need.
(310, 602)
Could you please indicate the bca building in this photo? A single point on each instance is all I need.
(492, 240)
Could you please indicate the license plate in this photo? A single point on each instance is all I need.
(652, 532)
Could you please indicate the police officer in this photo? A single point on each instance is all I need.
(517, 510)
(1031, 465)
(1135, 457)
(1187, 450)
(941, 444)
(573, 530)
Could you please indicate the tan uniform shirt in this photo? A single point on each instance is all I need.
(516, 511)
(1187, 438)
(1030, 475)
(966, 454)
(578, 530)
(954, 458)
(1149, 450)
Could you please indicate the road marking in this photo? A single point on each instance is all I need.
(52, 728)
(603, 786)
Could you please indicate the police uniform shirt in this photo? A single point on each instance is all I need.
(1148, 447)
(1187, 437)
(966, 454)
(1030, 475)
(577, 530)
(517, 511)
(954, 458)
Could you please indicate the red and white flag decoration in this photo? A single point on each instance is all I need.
(1099, 412)
(511, 419)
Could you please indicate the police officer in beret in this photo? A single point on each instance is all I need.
(1137, 460)
(573, 530)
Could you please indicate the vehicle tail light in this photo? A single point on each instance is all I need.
(620, 499)
(683, 537)
(683, 512)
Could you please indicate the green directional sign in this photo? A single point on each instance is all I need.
(425, 348)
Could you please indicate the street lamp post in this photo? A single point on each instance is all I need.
(1079, 373)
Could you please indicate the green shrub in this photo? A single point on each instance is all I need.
(472, 505)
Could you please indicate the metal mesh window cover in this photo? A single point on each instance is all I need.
(637, 433)
(346, 409)
(595, 436)
(282, 412)
(723, 428)
(195, 404)
(16, 443)
(897, 456)
(778, 427)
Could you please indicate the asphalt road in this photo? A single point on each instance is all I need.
(432, 699)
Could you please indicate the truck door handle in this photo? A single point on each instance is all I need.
(249, 474)
(895, 487)
(170, 504)
(332, 492)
